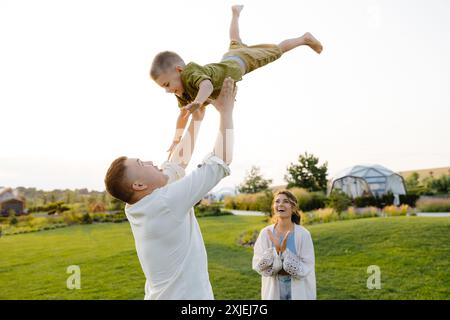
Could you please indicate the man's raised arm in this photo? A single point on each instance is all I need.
(193, 187)
(225, 138)
(183, 151)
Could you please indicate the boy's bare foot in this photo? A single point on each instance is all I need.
(237, 9)
(312, 42)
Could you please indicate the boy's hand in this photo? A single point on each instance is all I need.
(193, 106)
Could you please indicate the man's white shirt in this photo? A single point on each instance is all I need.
(167, 236)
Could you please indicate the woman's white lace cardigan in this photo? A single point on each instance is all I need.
(300, 265)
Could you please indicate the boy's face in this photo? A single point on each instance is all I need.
(171, 81)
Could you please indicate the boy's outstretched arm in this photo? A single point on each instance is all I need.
(206, 88)
(182, 120)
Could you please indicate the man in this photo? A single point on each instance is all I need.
(160, 204)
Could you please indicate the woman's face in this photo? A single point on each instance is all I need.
(282, 207)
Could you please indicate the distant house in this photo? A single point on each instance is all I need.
(11, 200)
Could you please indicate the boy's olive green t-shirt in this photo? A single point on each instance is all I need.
(193, 74)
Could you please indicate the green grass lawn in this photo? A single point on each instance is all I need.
(413, 254)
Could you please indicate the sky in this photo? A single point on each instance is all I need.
(75, 92)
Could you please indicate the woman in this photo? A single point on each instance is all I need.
(284, 254)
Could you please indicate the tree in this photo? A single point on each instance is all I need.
(412, 181)
(254, 182)
(69, 196)
(116, 205)
(414, 185)
(440, 185)
(307, 174)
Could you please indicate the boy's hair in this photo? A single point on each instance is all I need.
(116, 181)
(164, 61)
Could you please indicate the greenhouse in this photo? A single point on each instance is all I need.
(368, 180)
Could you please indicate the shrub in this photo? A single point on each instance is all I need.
(13, 220)
(349, 214)
(51, 208)
(385, 200)
(99, 217)
(319, 216)
(396, 211)
(377, 201)
(86, 219)
(72, 217)
(37, 222)
(409, 199)
(25, 219)
(207, 210)
(97, 207)
(248, 238)
(339, 201)
(327, 215)
(358, 213)
(265, 201)
(305, 218)
(368, 212)
(365, 201)
(434, 205)
(440, 185)
(241, 201)
(261, 201)
(308, 201)
(229, 203)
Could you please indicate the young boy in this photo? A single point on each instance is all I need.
(194, 86)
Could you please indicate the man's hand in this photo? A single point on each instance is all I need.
(199, 114)
(196, 116)
(225, 100)
(182, 120)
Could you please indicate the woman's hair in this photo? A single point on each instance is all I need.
(295, 218)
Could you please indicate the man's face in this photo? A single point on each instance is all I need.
(171, 81)
(144, 174)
